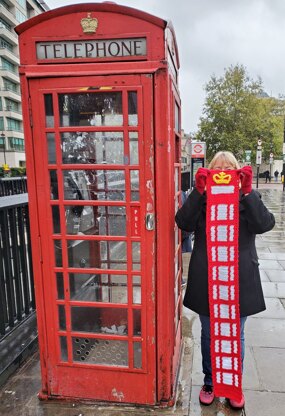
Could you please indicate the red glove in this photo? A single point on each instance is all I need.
(200, 179)
(246, 179)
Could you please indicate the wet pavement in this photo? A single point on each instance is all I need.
(263, 381)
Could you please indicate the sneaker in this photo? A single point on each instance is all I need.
(237, 404)
(206, 395)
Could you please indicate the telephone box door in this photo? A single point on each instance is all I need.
(93, 167)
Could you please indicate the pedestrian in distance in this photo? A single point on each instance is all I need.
(267, 176)
(254, 218)
(276, 173)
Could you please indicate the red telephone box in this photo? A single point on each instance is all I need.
(102, 126)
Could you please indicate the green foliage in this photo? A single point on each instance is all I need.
(18, 171)
(14, 172)
(237, 112)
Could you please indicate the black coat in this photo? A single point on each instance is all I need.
(254, 219)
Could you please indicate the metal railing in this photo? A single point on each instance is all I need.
(13, 186)
(17, 300)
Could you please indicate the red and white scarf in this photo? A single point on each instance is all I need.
(222, 227)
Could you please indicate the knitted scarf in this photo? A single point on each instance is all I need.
(222, 227)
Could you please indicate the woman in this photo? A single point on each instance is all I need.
(254, 218)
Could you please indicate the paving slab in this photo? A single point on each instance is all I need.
(264, 332)
(274, 289)
(276, 249)
(269, 264)
(250, 378)
(280, 256)
(282, 262)
(274, 309)
(263, 276)
(269, 289)
(276, 275)
(267, 256)
(270, 364)
(264, 403)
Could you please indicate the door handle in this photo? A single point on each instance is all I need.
(149, 222)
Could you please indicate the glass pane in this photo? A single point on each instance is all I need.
(137, 289)
(94, 185)
(51, 148)
(134, 148)
(176, 237)
(60, 285)
(176, 180)
(95, 220)
(100, 352)
(91, 109)
(137, 354)
(176, 291)
(55, 219)
(61, 317)
(132, 108)
(58, 253)
(135, 185)
(98, 288)
(49, 111)
(99, 320)
(177, 121)
(137, 321)
(94, 148)
(98, 254)
(63, 349)
(136, 256)
(53, 184)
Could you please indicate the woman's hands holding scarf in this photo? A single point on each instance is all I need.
(246, 179)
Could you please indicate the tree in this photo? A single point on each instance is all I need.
(237, 112)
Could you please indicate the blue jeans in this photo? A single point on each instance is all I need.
(205, 346)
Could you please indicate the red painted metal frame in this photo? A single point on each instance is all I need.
(168, 353)
(153, 80)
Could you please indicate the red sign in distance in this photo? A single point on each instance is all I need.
(198, 148)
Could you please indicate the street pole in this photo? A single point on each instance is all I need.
(4, 146)
(257, 175)
(258, 160)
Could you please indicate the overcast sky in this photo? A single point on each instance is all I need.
(214, 34)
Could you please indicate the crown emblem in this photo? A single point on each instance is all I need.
(89, 24)
(222, 177)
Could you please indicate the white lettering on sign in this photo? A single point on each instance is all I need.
(111, 48)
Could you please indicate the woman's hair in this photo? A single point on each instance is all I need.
(227, 157)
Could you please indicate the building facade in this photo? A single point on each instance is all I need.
(12, 12)
(185, 151)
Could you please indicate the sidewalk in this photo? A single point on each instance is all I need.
(264, 381)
